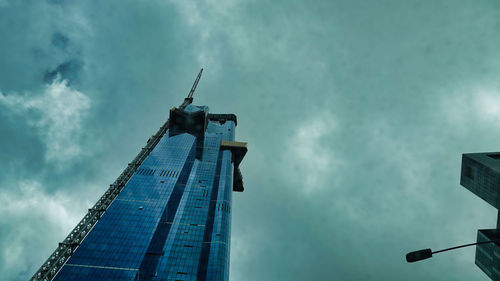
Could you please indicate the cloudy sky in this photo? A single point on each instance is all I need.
(356, 114)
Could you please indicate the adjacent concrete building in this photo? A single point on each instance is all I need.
(481, 175)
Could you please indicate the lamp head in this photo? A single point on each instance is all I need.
(419, 255)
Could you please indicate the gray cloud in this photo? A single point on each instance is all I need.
(60, 40)
(67, 70)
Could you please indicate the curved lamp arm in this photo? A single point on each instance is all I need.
(427, 253)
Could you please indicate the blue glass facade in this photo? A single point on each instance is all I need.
(172, 219)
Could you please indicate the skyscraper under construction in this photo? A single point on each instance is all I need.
(168, 215)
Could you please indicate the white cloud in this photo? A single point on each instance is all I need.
(24, 211)
(60, 111)
(469, 107)
(190, 11)
(205, 17)
(487, 106)
(32, 199)
(307, 155)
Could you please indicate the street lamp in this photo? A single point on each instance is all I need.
(427, 253)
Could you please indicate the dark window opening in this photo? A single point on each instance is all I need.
(495, 156)
(469, 172)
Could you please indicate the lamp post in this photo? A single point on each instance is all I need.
(427, 253)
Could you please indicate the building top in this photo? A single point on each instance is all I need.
(191, 108)
(487, 159)
(481, 175)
